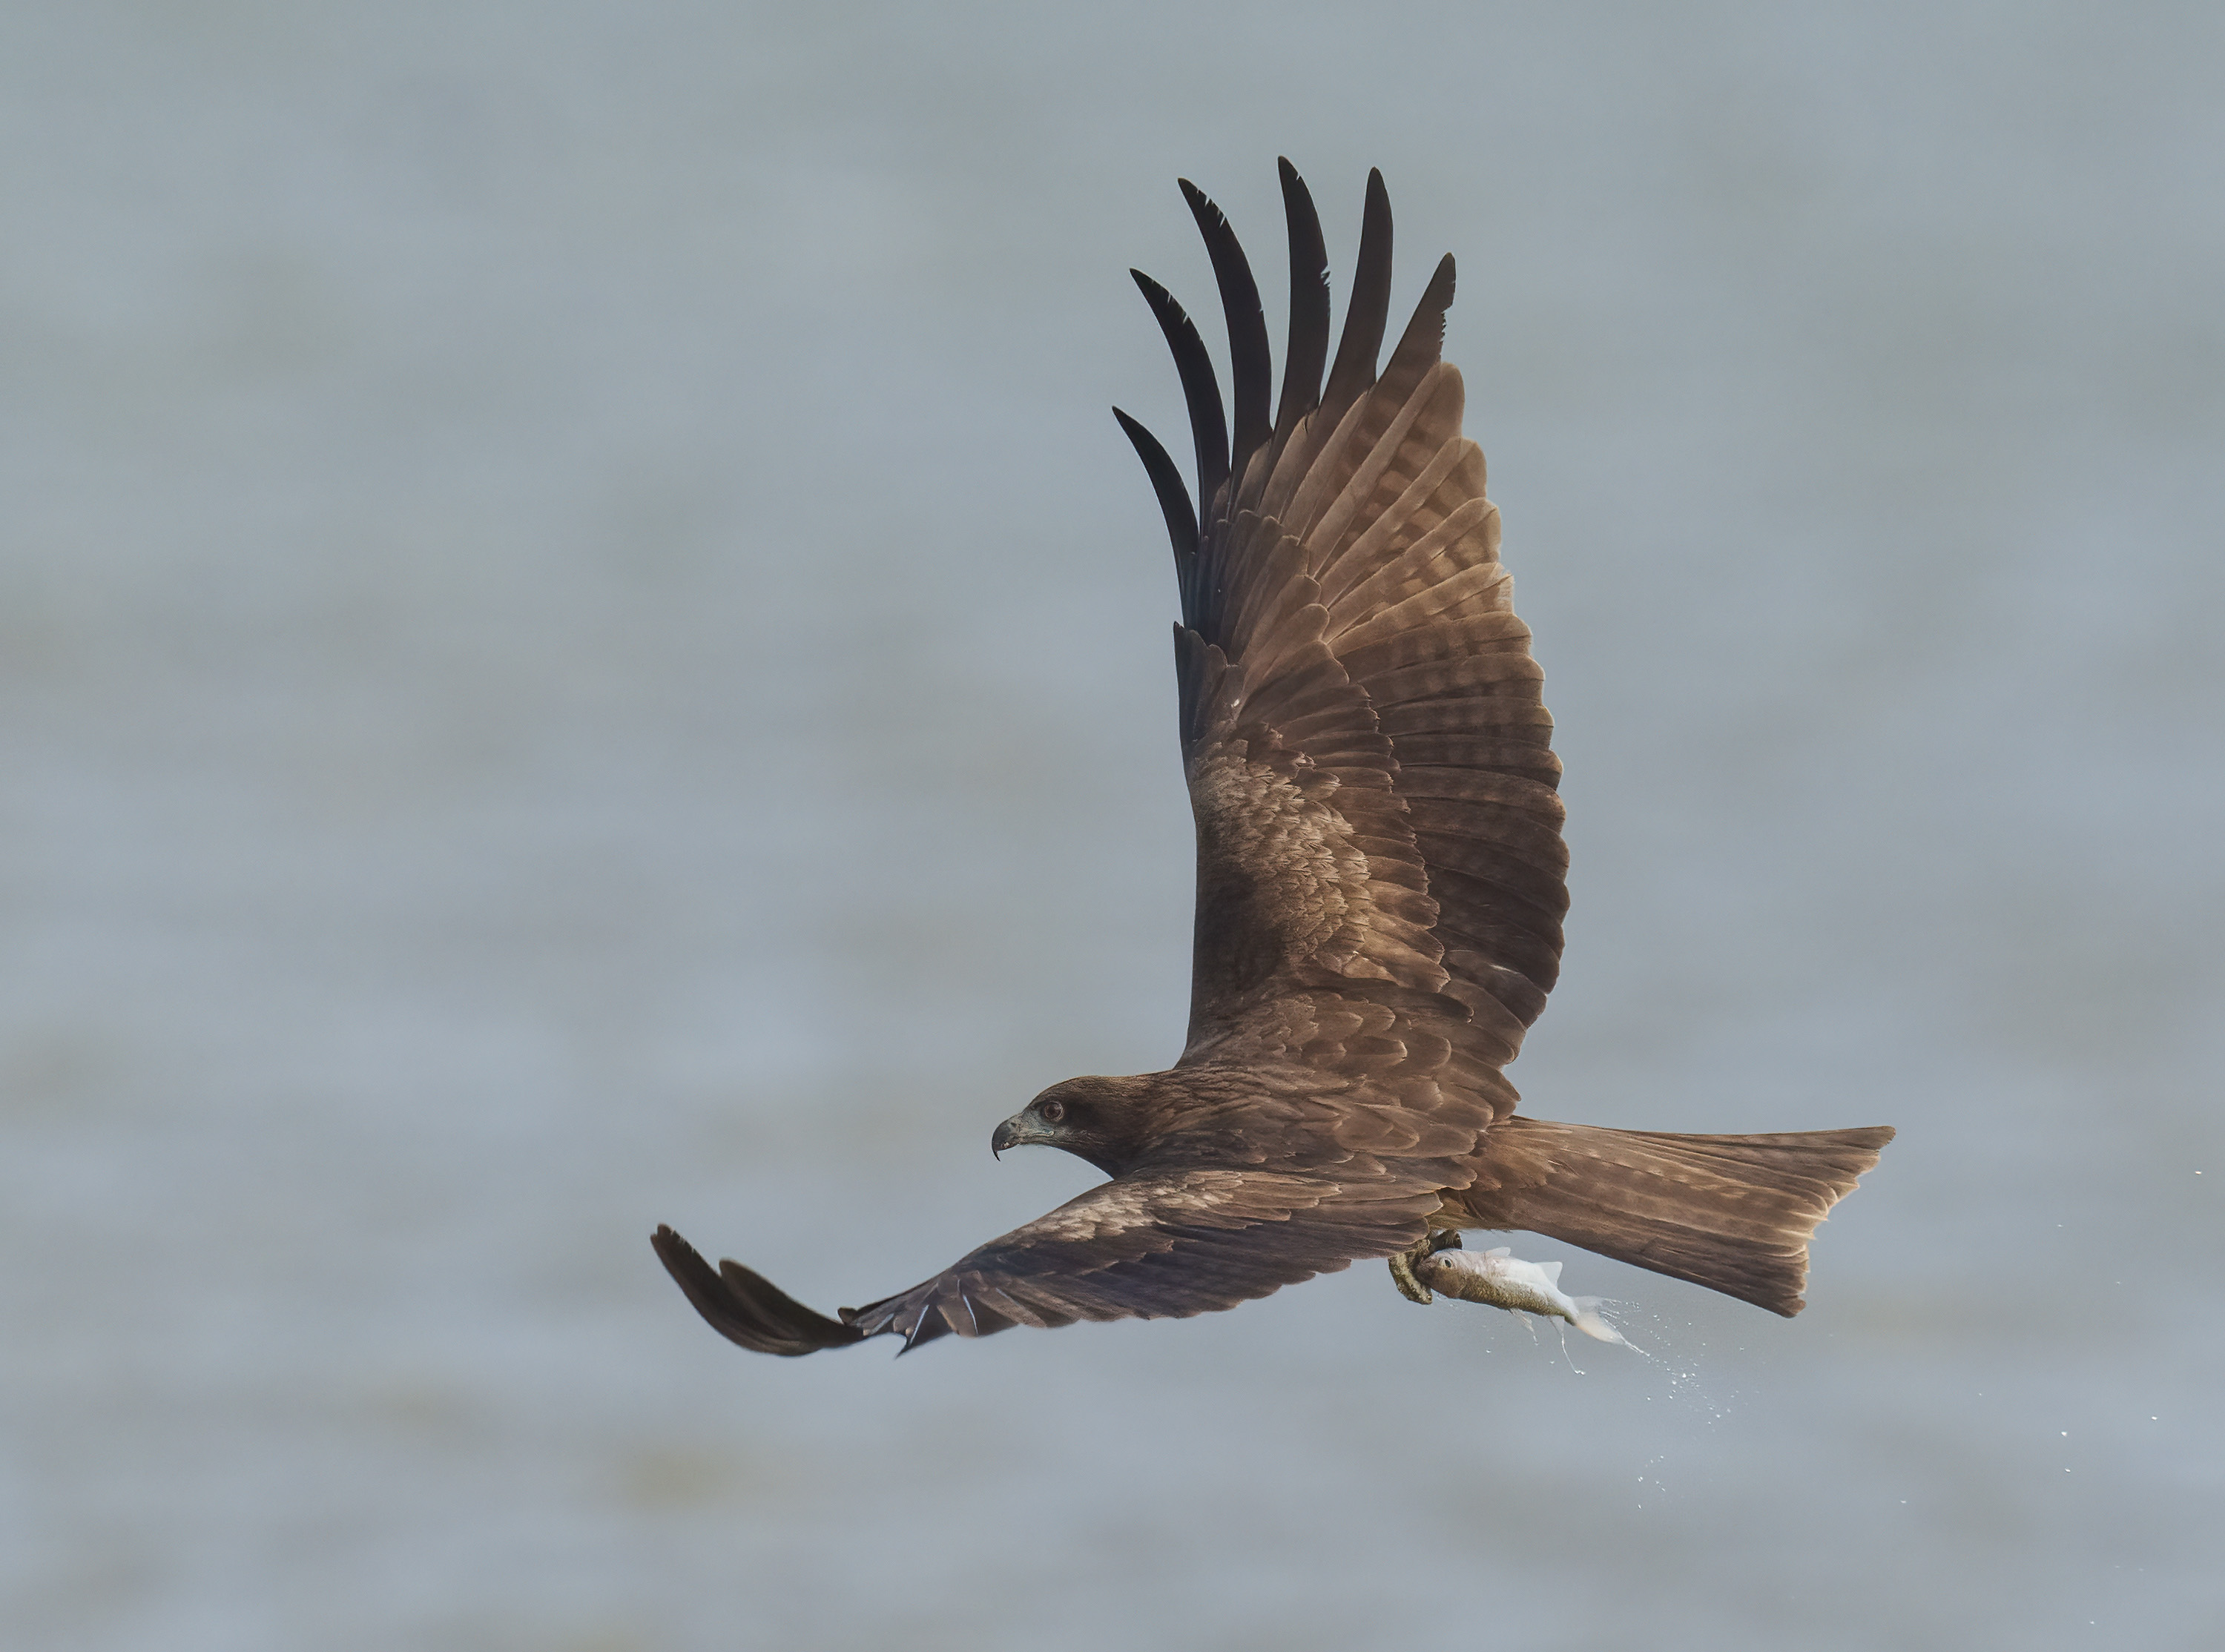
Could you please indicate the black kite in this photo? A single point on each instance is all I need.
(1380, 884)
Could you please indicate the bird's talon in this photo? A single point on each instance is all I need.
(1402, 1275)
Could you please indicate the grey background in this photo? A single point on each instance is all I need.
(580, 649)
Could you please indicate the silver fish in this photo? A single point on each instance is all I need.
(1503, 1280)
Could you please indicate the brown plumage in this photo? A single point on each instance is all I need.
(1380, 884)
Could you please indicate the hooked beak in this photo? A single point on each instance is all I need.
(1008, 1135)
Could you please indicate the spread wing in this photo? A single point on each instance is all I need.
(1381, 877)
(1153, 1244)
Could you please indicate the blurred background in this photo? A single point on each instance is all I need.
(579, 648)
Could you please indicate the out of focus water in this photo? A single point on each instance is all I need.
(578, 648)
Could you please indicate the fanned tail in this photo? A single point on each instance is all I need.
(1731, 1212)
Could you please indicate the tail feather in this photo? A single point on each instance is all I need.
(1731, 1212)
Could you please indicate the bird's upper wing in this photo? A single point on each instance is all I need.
(1380, 868)
(1161, 1244)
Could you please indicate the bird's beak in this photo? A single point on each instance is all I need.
(1008, 1135)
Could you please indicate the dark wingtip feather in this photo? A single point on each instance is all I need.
(1369, 311)
(1174, 498)
(1309, 303)
(745, 1307)
(1251, 367)
(1424, 341)
(1200, 390)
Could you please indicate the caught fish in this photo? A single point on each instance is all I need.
(1504, 1279)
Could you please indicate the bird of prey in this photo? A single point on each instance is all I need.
(1380, 885)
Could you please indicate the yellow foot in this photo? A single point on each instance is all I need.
(1402, 1275)
(1401, 1265)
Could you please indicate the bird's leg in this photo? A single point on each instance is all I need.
(1401, 1265)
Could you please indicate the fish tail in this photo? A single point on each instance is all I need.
(1587, 1319)
(1731, 1212)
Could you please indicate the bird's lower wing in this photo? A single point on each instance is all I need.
(1154, 1244)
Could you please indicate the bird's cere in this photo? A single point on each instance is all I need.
(1504, 1279)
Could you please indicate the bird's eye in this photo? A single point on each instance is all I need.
(1052, 1111)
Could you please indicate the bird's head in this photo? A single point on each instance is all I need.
(1094, 1119)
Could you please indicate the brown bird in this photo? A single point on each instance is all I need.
(1380, 885)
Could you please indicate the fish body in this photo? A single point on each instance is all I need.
(1500, 1279)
